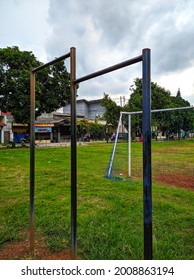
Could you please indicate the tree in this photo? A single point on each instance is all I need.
(52, 84)
(94, 128)
(112, 110)
(183, 119)
(161, 98)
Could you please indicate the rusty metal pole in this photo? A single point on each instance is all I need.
(32, 144)
(147, 164)
(73, 153)
(32, 159)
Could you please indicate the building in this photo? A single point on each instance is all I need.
(52, 127)
(88, 109)
(6, 134)
(56, 127)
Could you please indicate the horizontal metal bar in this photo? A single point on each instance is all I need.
(172, 109)
(109, 69)
(158, 110)
(51, 62)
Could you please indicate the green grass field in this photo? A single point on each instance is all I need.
(172, 162)
(110, 213)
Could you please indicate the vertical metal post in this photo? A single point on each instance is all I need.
(129, 145)
(147, 167)
(32, 159)
(73, 153)
(114, 147)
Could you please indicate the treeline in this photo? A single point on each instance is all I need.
(166, 122)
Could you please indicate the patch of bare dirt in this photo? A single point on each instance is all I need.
(176, 180)
(21, 251)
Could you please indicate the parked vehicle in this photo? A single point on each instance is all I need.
(24, 142)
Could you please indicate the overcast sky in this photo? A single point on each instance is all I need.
(106, 32)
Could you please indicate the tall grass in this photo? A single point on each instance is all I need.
(110, 214)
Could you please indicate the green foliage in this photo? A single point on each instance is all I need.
(181, 119)
(112, 112)
(95, 129)
(52, 84)
(161, 98)
(82, 126)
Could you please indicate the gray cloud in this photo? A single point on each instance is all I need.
(126, 26)
(106, 32)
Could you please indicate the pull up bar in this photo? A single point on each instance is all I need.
(109, 69)
(145, 58)
(65, 56)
